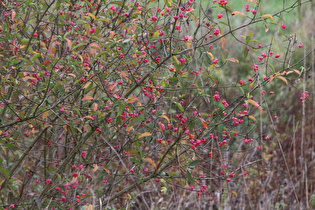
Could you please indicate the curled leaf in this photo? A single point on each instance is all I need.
(267, 16)
(165, 117)
(144, 135)
(283, 79)
(150, 161)
(238, 13)
(255, 104)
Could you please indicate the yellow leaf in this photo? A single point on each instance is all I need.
(234, 193)
(255, 104)
(45, 114)
(165, 117)
(95, 167)
(89, 117)
(65, 127)
(150, 161)
(144, 135)
(87, 98)
(283, 79)
(267, 16)
(266, 27)
(86, 85)
(176, 59)
(80, 56)
(28, 77)
(251, 85)
(91, 15)
(168, 3)
(222, 42)
(188, 44)
(238, 13)
(204, 124)
(72, 75)
(252, 117)
(209, 53)
(106, 170)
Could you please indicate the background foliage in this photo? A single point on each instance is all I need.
(157, 104)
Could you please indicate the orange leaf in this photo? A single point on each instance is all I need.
(68, 42)
(267, 16)
(106, 170)
(238, 13)
(165, 117)
(95, 105)
(204, 124)
(233, 60)
(255, 1)
(270, 79)
(94, 48)
(87, 98)
(111, 87)
(129, 129)
(111, 34)
(255, 104)
(131, 99)
(150, 161)
(46, 62)
(144, 135)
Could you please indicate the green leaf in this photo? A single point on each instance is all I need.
(272, 68)
(222, 22)
(136, 161)
(5, 172)
(10, 146)
(121, 109)
(190, 179)
(137, 120)
(179, 106)
(79, 45)
(193, 163)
